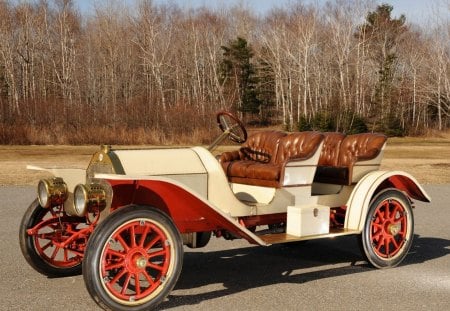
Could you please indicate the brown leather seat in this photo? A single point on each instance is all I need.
(261, 160)
(340, 154)
(298, 146)
(254, 162)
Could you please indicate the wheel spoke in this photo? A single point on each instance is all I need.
(155, 267)
(66, 254)
(115, 253)
(386, 206)
(46, 236)
(117, 265)
(162, 252)
(144, 236)
(132, 236)
(126, 284)
(380, 215)
(118, 276)
(397, 209)
(386, 247)
(224, 122)
(137, 284)
(55, 252)
(50, 243)
(396, 245)
(376, 236)
(148, 278)
(122, 242)
(152, 242)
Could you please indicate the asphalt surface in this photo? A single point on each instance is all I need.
(232, 275)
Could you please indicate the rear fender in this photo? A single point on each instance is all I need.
(189, 211)
(373, 183)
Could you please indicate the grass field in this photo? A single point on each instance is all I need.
(427, 159)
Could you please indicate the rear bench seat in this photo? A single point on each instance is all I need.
(263, 159)
(344, 160)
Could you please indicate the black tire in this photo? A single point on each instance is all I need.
(121, 250)
(203, 239)
(40, 258)
(388, 230)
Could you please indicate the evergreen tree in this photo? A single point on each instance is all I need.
(238, 73)
(384, 34)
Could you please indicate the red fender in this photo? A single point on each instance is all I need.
(189, 211)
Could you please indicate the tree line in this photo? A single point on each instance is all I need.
(151, 73)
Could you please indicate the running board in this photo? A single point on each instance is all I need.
(277, 238)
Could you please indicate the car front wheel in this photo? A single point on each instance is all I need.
(46, 246)
(389, 228)
(133, 259)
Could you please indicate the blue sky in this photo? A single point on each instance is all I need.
(416, 11)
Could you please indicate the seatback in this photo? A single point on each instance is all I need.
(298, 145)
(329, 155)
(262, 146)
(360, 147)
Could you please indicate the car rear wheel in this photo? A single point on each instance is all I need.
(43, 234)
(389, 229)
(133, 259)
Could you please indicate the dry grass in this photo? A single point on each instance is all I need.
(426, 158)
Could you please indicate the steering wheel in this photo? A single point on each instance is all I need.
(230, 124)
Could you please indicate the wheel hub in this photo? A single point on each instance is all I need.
(394, 228)
(141, 262)
(136, 261)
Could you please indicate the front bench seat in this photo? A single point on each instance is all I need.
(263, 159)
(254, 163)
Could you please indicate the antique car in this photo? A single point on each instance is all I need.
(124, 221)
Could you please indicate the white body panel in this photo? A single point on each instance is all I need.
(181, 161)
(301, 172)
(361, 168)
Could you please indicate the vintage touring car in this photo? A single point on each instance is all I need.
(124, 220)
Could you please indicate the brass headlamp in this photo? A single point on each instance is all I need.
(87, 198)
(52, 192)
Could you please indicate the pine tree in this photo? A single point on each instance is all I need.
(384, 33)
(239, 74)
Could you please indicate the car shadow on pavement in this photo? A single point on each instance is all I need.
(252, 267)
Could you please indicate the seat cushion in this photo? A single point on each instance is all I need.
(253, 169)
(238, 168)
(264, 171)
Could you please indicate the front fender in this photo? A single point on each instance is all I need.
(373, 183)
(189, 210)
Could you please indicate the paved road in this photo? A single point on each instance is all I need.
(319, 275)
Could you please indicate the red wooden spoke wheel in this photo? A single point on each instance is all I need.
(389, 228)
(52, 242)
(133, 259)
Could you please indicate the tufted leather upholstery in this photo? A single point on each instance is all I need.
(329, 155)
(340, 154)
(254, 162)
(299, 146)
(360, 147)
(262, 146)
(261, 160)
